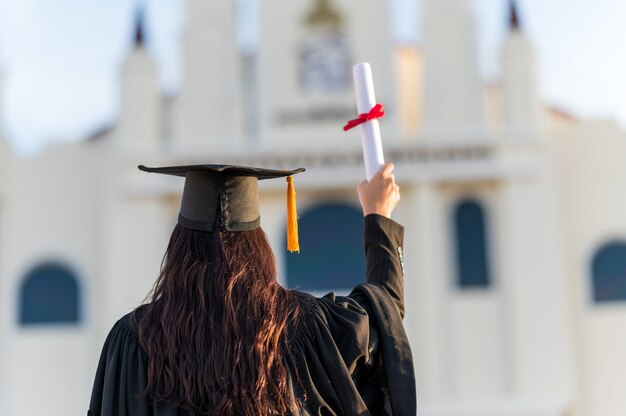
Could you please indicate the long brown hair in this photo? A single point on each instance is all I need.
(214, 330)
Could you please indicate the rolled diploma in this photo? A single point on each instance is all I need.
(370, 130)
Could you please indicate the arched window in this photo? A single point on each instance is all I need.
(608, 271)
(472, 261)
(332, 257)
(49, 295)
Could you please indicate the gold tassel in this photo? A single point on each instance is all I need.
(292, 217)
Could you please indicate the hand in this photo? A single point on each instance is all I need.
(381, 194)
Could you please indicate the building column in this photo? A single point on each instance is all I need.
(208, 107)
(453, 87)
(136, 230)
(424, 289)
(535, 291)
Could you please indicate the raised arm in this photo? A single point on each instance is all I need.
(383, 254)
(383, 236)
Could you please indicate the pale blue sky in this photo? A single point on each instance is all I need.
(61, 59)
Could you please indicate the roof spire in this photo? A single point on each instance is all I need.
(514, 23)
(139, 30)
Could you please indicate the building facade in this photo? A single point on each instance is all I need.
(515, 251)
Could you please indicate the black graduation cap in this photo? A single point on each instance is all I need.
(226, 197)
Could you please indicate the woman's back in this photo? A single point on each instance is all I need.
(221, 337)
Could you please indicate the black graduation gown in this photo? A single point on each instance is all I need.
(350, 353)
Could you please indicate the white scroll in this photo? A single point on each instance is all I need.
(370, 130)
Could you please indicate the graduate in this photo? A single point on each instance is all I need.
(220, 336)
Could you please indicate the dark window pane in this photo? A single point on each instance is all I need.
(471, 246)
(49, 295)
(332, 257)
(609, 273)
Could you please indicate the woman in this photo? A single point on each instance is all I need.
(220, 336)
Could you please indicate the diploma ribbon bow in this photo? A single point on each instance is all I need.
(375, 113)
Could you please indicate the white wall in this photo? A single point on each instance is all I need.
(51, 213)
(592, 161)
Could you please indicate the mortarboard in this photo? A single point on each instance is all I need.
(226, 197)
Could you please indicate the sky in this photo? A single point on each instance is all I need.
(60, 60)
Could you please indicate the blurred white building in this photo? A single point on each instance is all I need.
(515, 246)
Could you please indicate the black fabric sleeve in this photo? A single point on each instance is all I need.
(382, 296)
(383, 253)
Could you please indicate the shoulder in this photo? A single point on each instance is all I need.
(334, 328)
(119, 376)
(327, 305)
(309, 302)
(333, 313)
(122, 325)
(125, 329)
(121, 350)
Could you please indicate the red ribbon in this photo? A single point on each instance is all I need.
(376, 112)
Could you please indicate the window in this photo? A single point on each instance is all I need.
(49, 295)
(471, 246)
(609, 273)
(332, 257)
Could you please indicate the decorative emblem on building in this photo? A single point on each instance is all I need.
(324, 55)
